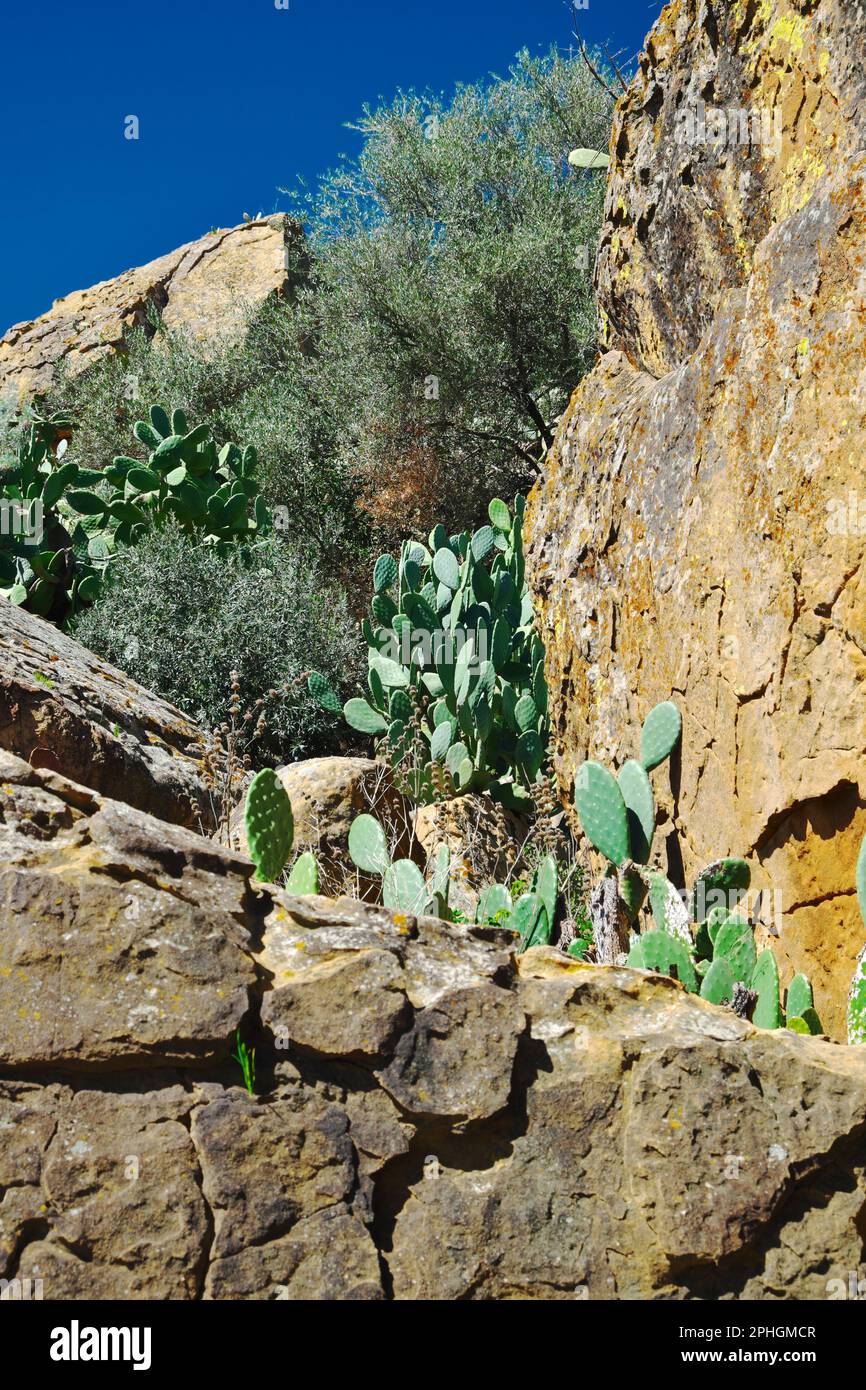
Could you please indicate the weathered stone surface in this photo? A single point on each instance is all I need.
(434, 1120)
(326, 795)
(484, 839)
(63, 707)
(697, 532)
(204, 288)
(124, 941)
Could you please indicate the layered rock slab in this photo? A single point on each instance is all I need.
(435, 1119)
(64, 708)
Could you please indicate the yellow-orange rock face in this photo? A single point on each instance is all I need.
(700, 528)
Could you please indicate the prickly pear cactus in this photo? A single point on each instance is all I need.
(304, 878)
(658, 950)
(269, 825)
(660, 735)
(602, 812)
(765, 983)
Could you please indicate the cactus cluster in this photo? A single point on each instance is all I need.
(270, 830)
(702, 941)
(456, 689)
(47, 562)
(72, 519)
(211, 493)
(404, 887)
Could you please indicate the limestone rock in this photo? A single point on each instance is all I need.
(434, 1119)
(698, 529)
(326, 795)
(64, 708)
(204, 288)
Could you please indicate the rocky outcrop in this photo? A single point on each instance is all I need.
(700, 527)
(543, 1129)
(61, 707)
(204, 288)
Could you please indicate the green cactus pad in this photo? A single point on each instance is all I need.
(637, 793)
(660, 735)
(545, 882)
(304, 878)
(322, 692)
(633, 891)
(799, 997)
(669, 956)
(361, 716)
(735, 943)
(368, 847)
(269, 825)
(860, 879)
(602, 811)
(446, 568)
(798, 1025)
(494, 899)
(857, 1002)
(499, 515)
(719, 887)
(813, 1023)
(440, 879)
(384, 573)
(403, 887)
(718, 983)
(765, 983)
(667, 906)
(529, 918)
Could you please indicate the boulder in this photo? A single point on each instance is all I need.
(699, 529)
(63, 708)
(548, 1129)
(205, 288)
(326, 795)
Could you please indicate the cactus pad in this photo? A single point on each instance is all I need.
(304, 878)
(765, 983)
(602, 811)
(658, 950)
(719, 887)
(799, 997)
(637, 794)
(368, 847)
(718, 984)
(403, 887)
(660, 734)
(269, 825)
(735, 943)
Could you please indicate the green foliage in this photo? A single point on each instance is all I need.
(457, 693)
(857, 992)
(181, 618)
(532, 913)
(85, 515)
(246, 1060)
(658, 950)
(49, 562)
(269, 825)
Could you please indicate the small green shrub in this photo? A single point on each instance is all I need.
(181, 618)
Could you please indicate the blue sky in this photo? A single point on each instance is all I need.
(234, 99)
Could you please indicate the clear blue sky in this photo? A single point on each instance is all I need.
(234, 98)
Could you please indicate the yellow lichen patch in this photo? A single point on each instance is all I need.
(789, 29)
